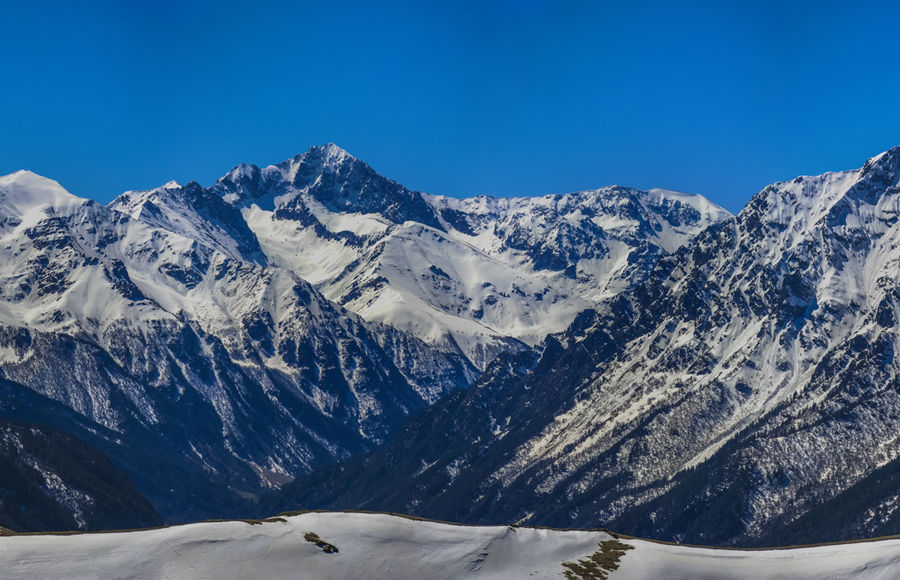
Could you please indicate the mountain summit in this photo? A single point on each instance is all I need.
(481, 274)
(330, 176)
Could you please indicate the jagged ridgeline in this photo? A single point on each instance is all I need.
(217, 342)
(745, 392)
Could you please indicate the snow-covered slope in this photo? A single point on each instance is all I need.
(194, 213)
(28, 197)
(750, 378)
(376, 546)
(852, 561)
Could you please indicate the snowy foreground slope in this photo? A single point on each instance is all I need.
(381, 546)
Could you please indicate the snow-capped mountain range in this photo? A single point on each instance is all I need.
(745, 392)
(237, 370)
(217, 342)
(477, 273)
(637, 360)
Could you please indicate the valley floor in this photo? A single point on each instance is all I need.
(383, 546)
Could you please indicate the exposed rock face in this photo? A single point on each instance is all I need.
(53, 481)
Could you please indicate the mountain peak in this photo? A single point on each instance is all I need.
(708, 209)
(25, 177)
(246, 181)
(885, 166)
(330, 151)
(324, 158)
(25, 190)
(891, 153)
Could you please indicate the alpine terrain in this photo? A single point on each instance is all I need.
(745, 392)
(217, 342)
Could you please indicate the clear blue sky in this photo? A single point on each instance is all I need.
(458, 98)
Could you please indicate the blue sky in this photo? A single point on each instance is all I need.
(459, 98)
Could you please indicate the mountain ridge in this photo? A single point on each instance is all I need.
(364, 250)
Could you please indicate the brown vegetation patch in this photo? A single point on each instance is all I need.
(314, 538)
(598, 565)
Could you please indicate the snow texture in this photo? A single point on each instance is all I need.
(376, 546)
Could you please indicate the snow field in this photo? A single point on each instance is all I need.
(381, 546)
